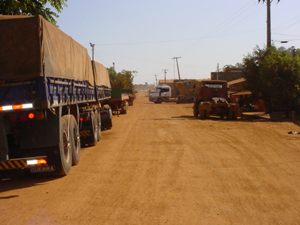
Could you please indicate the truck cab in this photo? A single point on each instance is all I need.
(161, 94)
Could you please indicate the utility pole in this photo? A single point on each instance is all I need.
(176, 59)
(94, 69)
(93, 52)
(293, 51)
(268, 23)
(268, 2)
(165, 75)
(155, 80)
(218, 71)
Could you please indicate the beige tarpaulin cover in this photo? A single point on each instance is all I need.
(102, 76)
(31, 47)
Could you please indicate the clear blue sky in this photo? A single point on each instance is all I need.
(144, 35)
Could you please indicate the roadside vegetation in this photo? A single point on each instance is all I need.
(122, 80)
(274, 75)
(49, 9)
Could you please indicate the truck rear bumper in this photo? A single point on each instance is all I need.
(24, 163)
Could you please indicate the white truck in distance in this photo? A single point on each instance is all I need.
(162, 93)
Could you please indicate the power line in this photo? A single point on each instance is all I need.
(214, 34)
(286, 23)
(290, 35)
(233, 17)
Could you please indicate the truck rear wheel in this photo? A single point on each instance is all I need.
(124, 108)
(203, 114)
(106, 120)
(75, 143)
(98, 124)
(232, 115)
(64, 159)
(95, 131)
(196, 111)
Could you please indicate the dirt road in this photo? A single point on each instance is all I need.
(158, 165)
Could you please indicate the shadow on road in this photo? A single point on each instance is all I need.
(252, 118)
(12, 180)
(184, 117)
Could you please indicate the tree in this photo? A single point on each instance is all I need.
(33, 7)
(274, 76)
(123, 79)
(232, 68)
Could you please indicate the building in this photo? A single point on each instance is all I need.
(228, 75)
(239, 93)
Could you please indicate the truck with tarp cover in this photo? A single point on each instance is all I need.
(185, 90)
(52, 96)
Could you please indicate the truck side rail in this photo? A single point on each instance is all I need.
(51, 92)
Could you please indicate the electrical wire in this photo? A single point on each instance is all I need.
(218, 29)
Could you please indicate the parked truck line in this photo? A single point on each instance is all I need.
(51, 102)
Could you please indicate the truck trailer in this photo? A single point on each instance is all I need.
(185, 90)
(51, 97)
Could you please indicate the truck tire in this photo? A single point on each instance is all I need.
(75, 143)
(95, 130)
(196, 111)
(109, 114)
(232, 115)
(63, 161)
(203, 114)
(98, 121)
(106, 120)
(158, 101)
(110, 124)
(124, 108)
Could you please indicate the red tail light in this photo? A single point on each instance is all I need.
(31, 116)
(25, 116)
(84, 118)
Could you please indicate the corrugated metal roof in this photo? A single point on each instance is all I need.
(240, 80)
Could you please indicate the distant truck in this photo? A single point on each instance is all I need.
(52, 97)
(119, 101)
(131, 95)
(162, 93)
(212, 100)
(185, 90)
